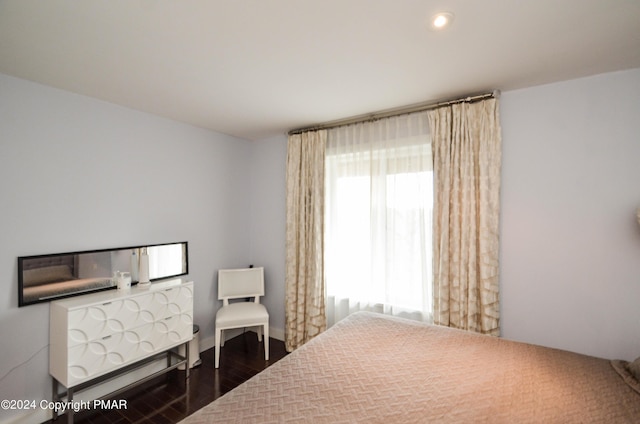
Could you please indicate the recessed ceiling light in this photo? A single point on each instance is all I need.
(441, 20)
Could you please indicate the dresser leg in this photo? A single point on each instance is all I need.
(54, 396)
(70, 411)
(186, 354)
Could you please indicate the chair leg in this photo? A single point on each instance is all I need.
(266, 342)
(216, 359)
(222, 339)
(259, 331)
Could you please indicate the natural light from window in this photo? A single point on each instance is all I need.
(378, 231)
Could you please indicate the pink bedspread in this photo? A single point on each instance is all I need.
(370, 368)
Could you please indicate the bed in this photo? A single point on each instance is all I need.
(377, 369)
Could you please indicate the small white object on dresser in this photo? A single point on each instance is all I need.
(96, 334)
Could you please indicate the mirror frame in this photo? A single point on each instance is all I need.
(49, 270)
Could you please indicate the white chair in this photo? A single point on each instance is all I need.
(236, 284)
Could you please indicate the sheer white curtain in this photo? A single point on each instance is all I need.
(378, 213)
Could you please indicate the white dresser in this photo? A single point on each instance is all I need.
(97, 334)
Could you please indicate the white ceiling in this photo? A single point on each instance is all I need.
(257, 68)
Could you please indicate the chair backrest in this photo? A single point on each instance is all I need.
(237, 283)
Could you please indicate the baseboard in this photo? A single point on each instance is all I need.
(276, 333)
(39, 415)
(209, 342)
(34, 417)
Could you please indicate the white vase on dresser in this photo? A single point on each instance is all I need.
(97, 334)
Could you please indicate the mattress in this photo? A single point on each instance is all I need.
(370, 368)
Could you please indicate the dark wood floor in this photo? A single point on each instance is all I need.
(165, 400)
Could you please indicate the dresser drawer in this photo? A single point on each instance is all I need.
(112, 330)
(97, 357)
(101, 320)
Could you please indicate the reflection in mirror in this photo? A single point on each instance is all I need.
(44, 278)
(165, 260)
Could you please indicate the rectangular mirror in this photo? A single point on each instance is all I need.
(43, 278)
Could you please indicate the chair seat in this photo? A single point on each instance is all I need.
(235, 315)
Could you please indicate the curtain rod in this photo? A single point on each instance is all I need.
(395, 112)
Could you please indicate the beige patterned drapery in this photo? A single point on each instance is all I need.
(466, 142)
(304, 268)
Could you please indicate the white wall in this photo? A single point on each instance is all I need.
(268, 226)
(570, 253)
(77, 174)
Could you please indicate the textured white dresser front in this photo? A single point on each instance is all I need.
(98, 333)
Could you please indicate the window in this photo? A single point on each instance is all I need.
(379, 197)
